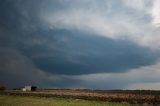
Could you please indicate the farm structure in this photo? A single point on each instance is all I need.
(29, 88)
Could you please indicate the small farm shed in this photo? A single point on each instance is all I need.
(29, 88)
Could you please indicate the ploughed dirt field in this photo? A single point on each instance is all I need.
(133, 97)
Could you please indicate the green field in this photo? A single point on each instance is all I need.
(37, 101)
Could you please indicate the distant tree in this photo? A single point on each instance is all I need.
(2, 88)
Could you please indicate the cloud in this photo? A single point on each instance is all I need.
(156, 13)
(140, 5)
(146, 77)
(102, 19)
(17, 70)
(63, 52)
(81, 43)
(82, 40)
(113, 19)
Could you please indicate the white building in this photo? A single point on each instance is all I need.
(24, 89)
(29, 88)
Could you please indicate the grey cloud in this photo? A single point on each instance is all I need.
(143, 77)
(56, 53)
(74, 52)
(17, 70)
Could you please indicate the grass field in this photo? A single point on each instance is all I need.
(132, 97)
(41, 101)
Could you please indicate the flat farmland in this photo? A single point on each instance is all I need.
(6, 100)
(131, 97)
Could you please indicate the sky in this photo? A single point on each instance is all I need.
(92, 44)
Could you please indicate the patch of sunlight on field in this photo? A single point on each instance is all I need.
(37, 101)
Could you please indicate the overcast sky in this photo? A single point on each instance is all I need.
(96, 44)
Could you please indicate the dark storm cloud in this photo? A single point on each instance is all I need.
(17, 70)
(68, 52)
(48, 43)
(73, 53)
